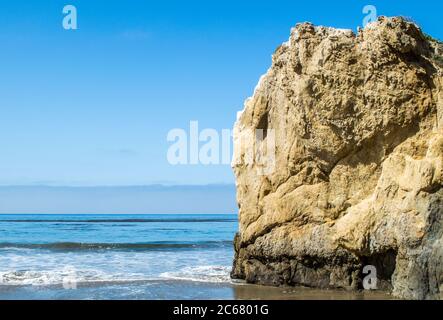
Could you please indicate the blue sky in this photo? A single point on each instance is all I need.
(93, 106)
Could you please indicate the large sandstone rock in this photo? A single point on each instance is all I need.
(358, 125)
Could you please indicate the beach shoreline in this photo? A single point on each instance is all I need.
(181, 290)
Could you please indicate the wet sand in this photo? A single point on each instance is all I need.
(180, 290)
(254, 292)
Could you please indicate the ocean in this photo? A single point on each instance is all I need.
(116, 256)
(130, 257)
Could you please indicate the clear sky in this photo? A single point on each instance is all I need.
(93, 106)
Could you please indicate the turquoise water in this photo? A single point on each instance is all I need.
(116, 256)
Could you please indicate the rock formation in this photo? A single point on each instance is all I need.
(358, 127)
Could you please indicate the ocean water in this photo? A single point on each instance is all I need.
(130, 257)
(116, 256)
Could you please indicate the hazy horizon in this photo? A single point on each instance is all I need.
(149, 199)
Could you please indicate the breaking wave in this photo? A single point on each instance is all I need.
(214, 274)
(109, 246)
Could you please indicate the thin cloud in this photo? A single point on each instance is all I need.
(125, 152)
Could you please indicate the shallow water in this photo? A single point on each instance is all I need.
(129, 257)
(112, 256)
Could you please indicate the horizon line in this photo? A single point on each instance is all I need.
(118, 186)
